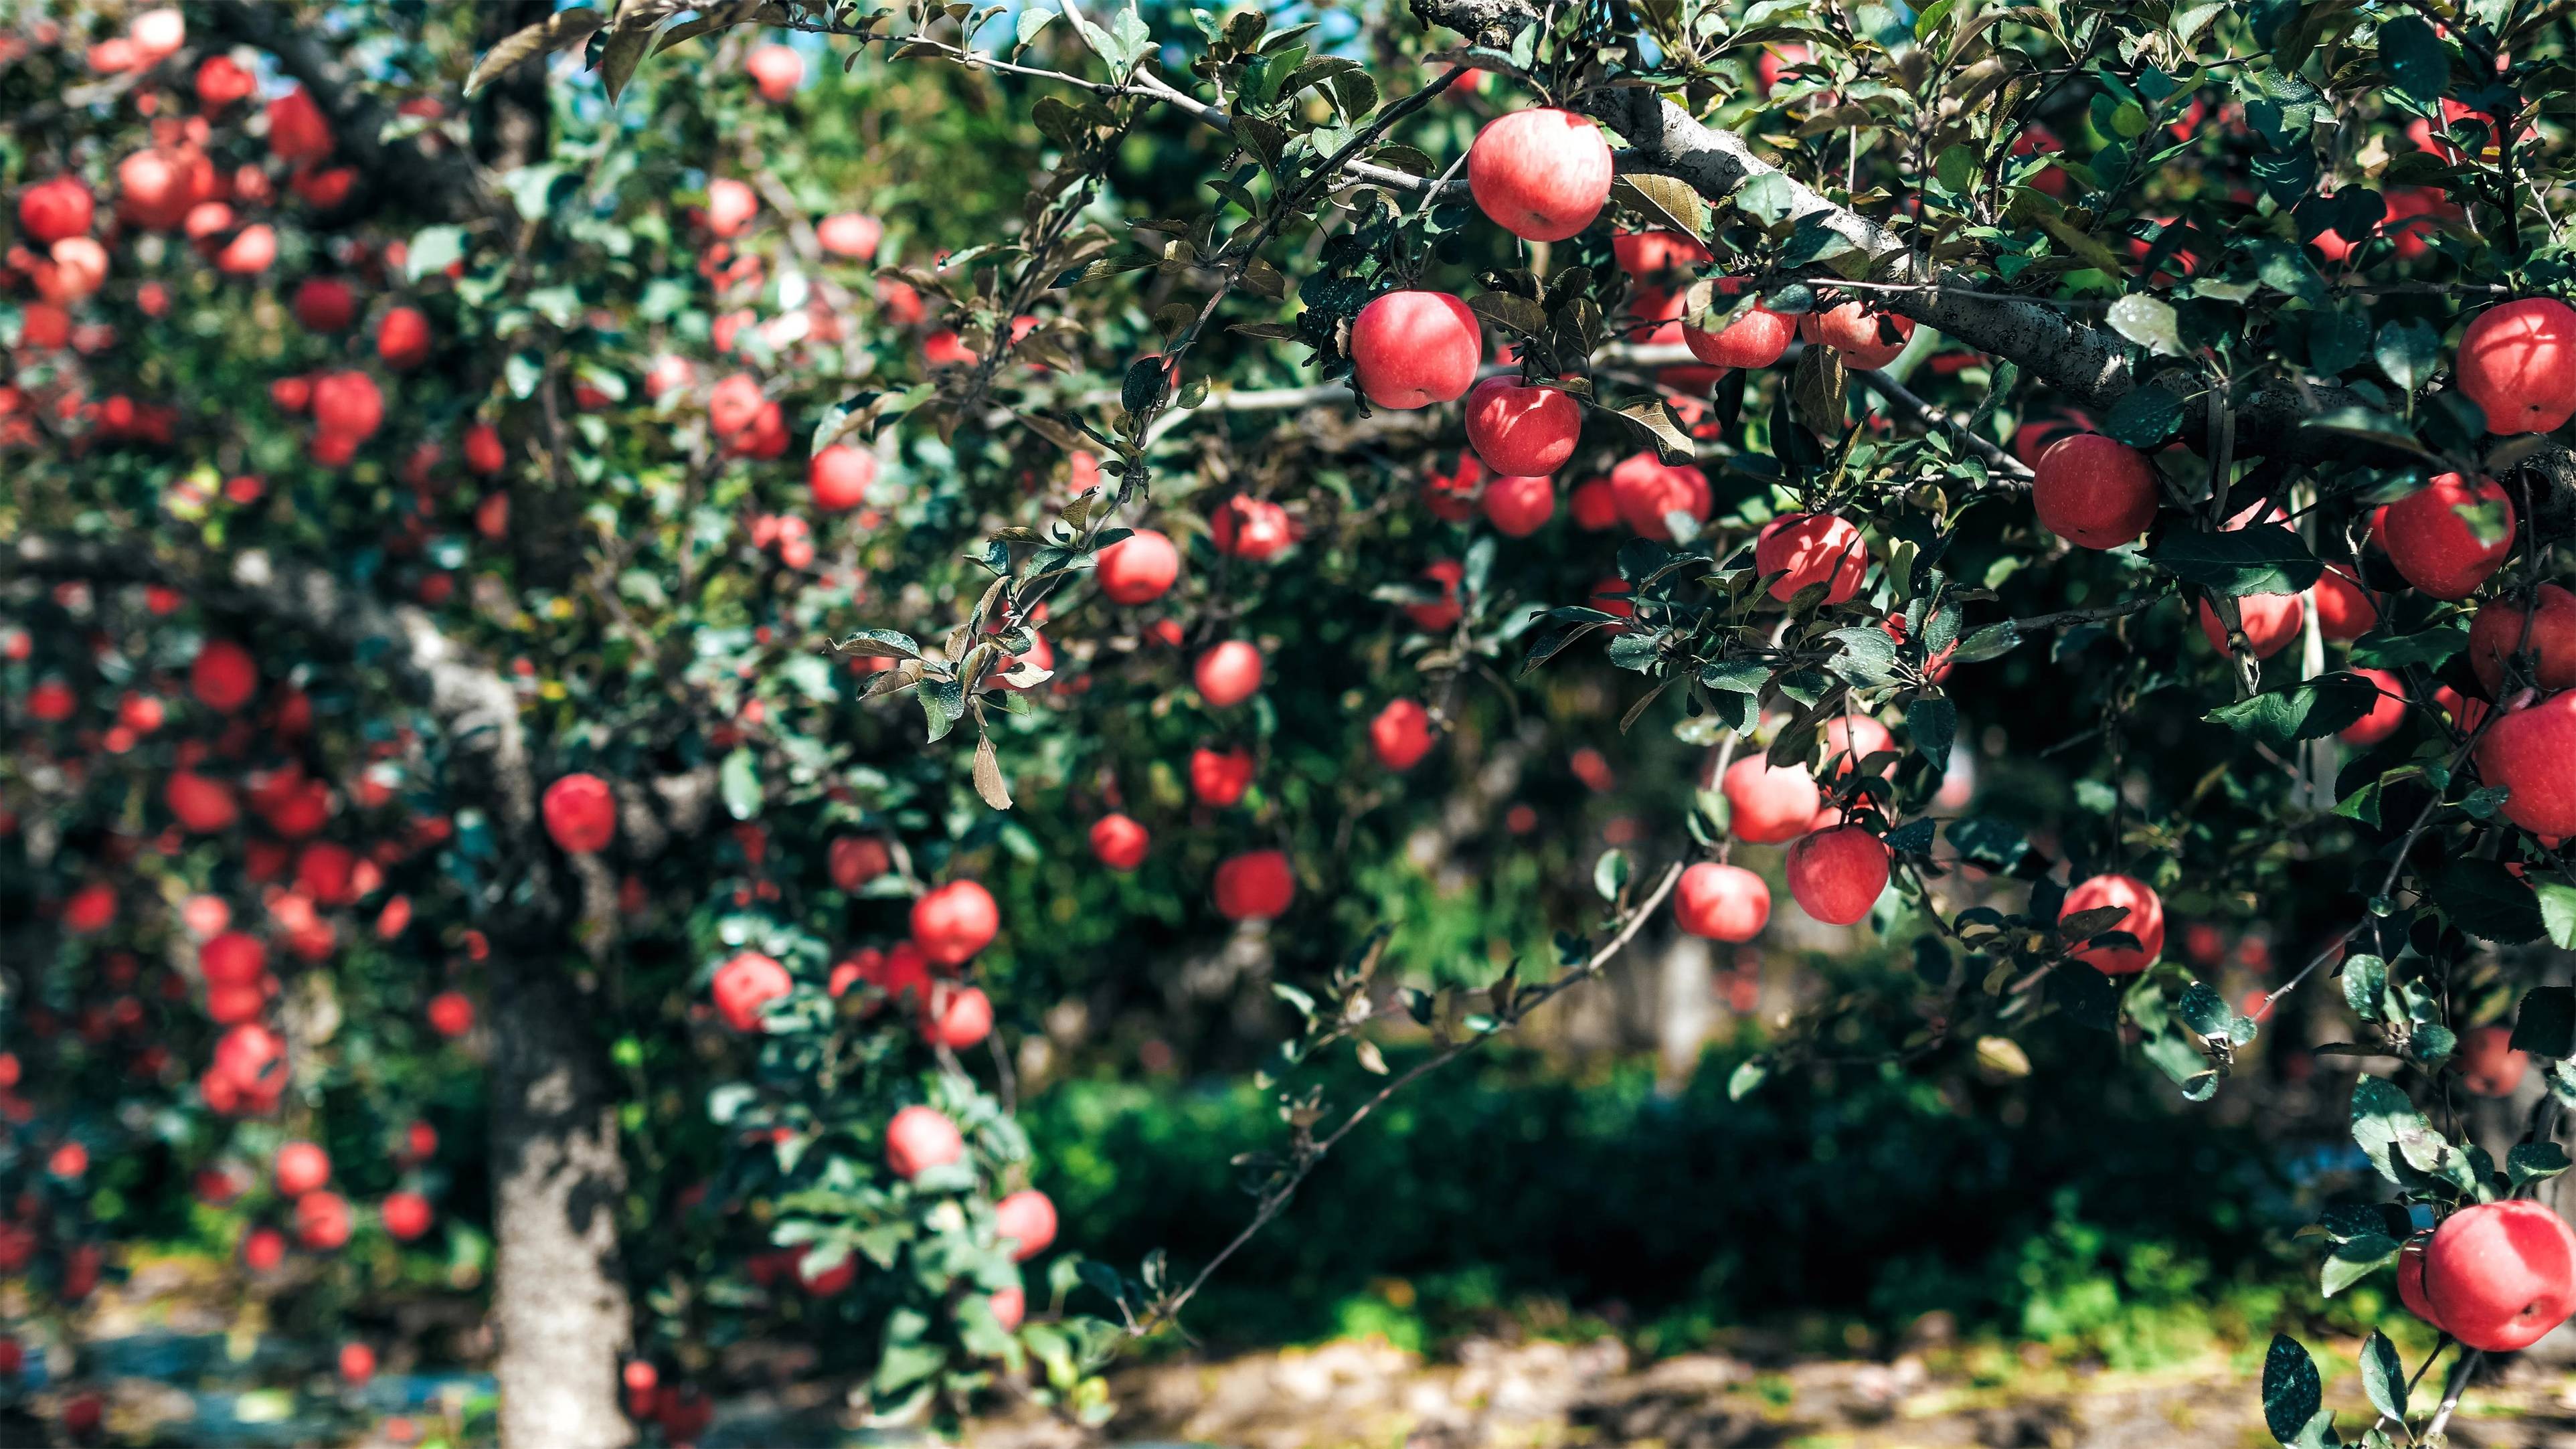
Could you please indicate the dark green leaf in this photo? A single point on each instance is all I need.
(2292, 1393)
(2484, 899)
(2144, 416)
(2309, 711)
(2545, 1025)
(2264, 559)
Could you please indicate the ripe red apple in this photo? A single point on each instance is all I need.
(1252, 529)
(357, 1364)
(2146, 921)
(263, 1249)
(451, 1014)
(300, 1167)
(734, 404)
(1401, 735)
(251, 1058)
(850, 234)
(2093, 491)
(2518, 364)
(420, 1141)
(2430, 536)
(1853, 330)
(1118, 841)
(919, 1139)
(1721, 902)
(2489, 1066)
(2528, 753)
(322, 1221)
(731, 205)
(1522, 429)
(54, 209)
(1412, 349)
(1811, 548)
(324, 304)
(1650, 254)
(1228, 674)
(403, 338)
(224, 676)
(232, 959)
(1835, 875)
(1850, 739)
(2498, 631)
(297, 129)
(406, 1215)
(746, 983)
(1542, 174)
(952, 922)
(1219, 777)
(1026, 1219)
(1767, 804)
(2345, 610)
(348, 404)
(1436, 617)
(777, 69)
(956, 1017)
(2410, 1280)
(1139, 568)
(1009, 1305)
(2271, 621)
(839, 477)
(2501, 1274)
(1648, 490)
(1595, 505)
(1254, 886)
(252, 251)
(1755, 339)
(854, 860)
(1519, 506)
(2387, 712)
(580, 814)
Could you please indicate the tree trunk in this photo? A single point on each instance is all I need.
(559, 1303)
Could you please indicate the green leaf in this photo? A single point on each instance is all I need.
(738, 781)
(2483, 898)
(2408, 352)
(1991, 642)
(2355, 1259)
(2149, 322)
(2292, 1392)
(1742, 1082)
(1610, 874)
(1933, 722)
(2545, 1024)
(2415, 57)
(2264, 559)
(433, 249)
(2309, 711)
(2383, 1375)
(2365, 986)
(2144, 416)
(2557, 912)
(2088, 997)
(2531, 1162)
(2395, 651)
(1033, 19)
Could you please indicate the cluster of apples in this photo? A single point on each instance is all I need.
(321, 1219)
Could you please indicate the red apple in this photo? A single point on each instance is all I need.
(1767, 804)
(1412, 349)
(2498, 631)
(403, 338)
(956, 1017)
(348, 404)
(1228, 674)
(730, 206)
(1649, 490)
(232, 959)
(1721, 902)
(2518, 364)
(1139, 568)
(1806, 549)
(580, 814)
(2429, 534)
(297, 130)
(1835, 875)
(224, 676)
(1854, 330)
(1254, 886)
(2271, 621)
(1219, 777)
(1755, 339)
(2387, 712)
(839, 477)
(1519, 506)
(1009, 1306)
(2093, 491)
(1027, 1220)
(451, 1014)
(1118, 841)
(1650, 254)
(2500, 1274)
(919, 1139)
(2410, 1280)
(357, 1364)
(1252, 529)
(854, 860)
(300, 1167)
(54, 209)
(1436, 617)
(1522, 429)
(952, 922)
(1401, 735)
(2145, 920)
(746, 983)
(777, 69)
(2528, 752)
(1850, 739)
(1596, 506)
(322, 1221)
(1542, 174)
(850, 235)
(406, 1215)
(2489, 1066)
(2345, 610)
(324, 304)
